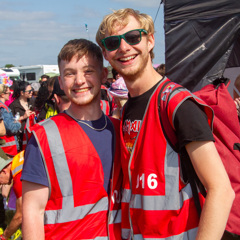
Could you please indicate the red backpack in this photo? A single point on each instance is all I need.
(226, 131)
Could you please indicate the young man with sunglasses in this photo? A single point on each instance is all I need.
(156, 201)
(67, 187)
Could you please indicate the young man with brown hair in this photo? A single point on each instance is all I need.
(68, 162)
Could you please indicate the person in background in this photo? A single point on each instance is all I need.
(62, 102)
(11, 99)
(4, 156)
(119, 92)
(41, 98)
(44, 78)
(35, 86)
(48, 108)
(157, 203)
(23, 105)
(106, 101)
(110, 78)
(10, 172)
(10, 145)
(116, 75)
(81, 141)
(161, 69)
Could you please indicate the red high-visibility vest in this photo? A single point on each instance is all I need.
(78, 205)
(156, 203)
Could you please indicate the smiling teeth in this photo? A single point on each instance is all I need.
(127, 58)
(81, 90)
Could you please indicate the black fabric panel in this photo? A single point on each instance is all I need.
(179, 10)
(199, 38)
(234, 59)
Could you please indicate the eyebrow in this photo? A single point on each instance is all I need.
(86, 66)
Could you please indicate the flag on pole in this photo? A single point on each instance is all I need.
(86, 26)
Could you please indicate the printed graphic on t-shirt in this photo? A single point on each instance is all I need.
(130, 131)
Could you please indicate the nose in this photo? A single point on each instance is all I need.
(79, 79)
(124, 46)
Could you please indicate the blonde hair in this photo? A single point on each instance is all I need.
(120, 18)
(3, 88)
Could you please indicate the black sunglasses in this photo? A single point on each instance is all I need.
(29, 91)
(132, 37)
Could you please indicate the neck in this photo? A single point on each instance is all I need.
(141, 83)
(2, 100)
(85, 112)
(22, 99)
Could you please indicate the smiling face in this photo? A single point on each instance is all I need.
(81, 80)
(130, 60)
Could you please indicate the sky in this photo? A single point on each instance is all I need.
(33, 32)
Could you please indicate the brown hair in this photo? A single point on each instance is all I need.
(80, 47)
(120, 17)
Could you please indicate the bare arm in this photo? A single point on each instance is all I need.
(35, 197)
(6, 189)
(211, 172)
(16, 220)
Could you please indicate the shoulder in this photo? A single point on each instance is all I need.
(15, 104)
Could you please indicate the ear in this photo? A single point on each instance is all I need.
(104, 75)
(4, 170)
(56, 98)
(151, 42)
(60, 80)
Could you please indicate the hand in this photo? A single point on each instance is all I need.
(27, 113)
(2, 237)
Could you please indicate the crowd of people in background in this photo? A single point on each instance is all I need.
(87, 154)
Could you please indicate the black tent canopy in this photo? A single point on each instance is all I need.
(202, 38)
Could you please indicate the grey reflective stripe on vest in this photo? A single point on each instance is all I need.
(125, 233)
(126, 196)
(18, 168)
(115, 216)
(9, 144)
(169, 201)
(104, 106)
(68, 212)
(191, 234)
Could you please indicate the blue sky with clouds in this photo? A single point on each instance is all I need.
(33, 32)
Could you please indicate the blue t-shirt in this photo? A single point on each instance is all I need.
(103, 141)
